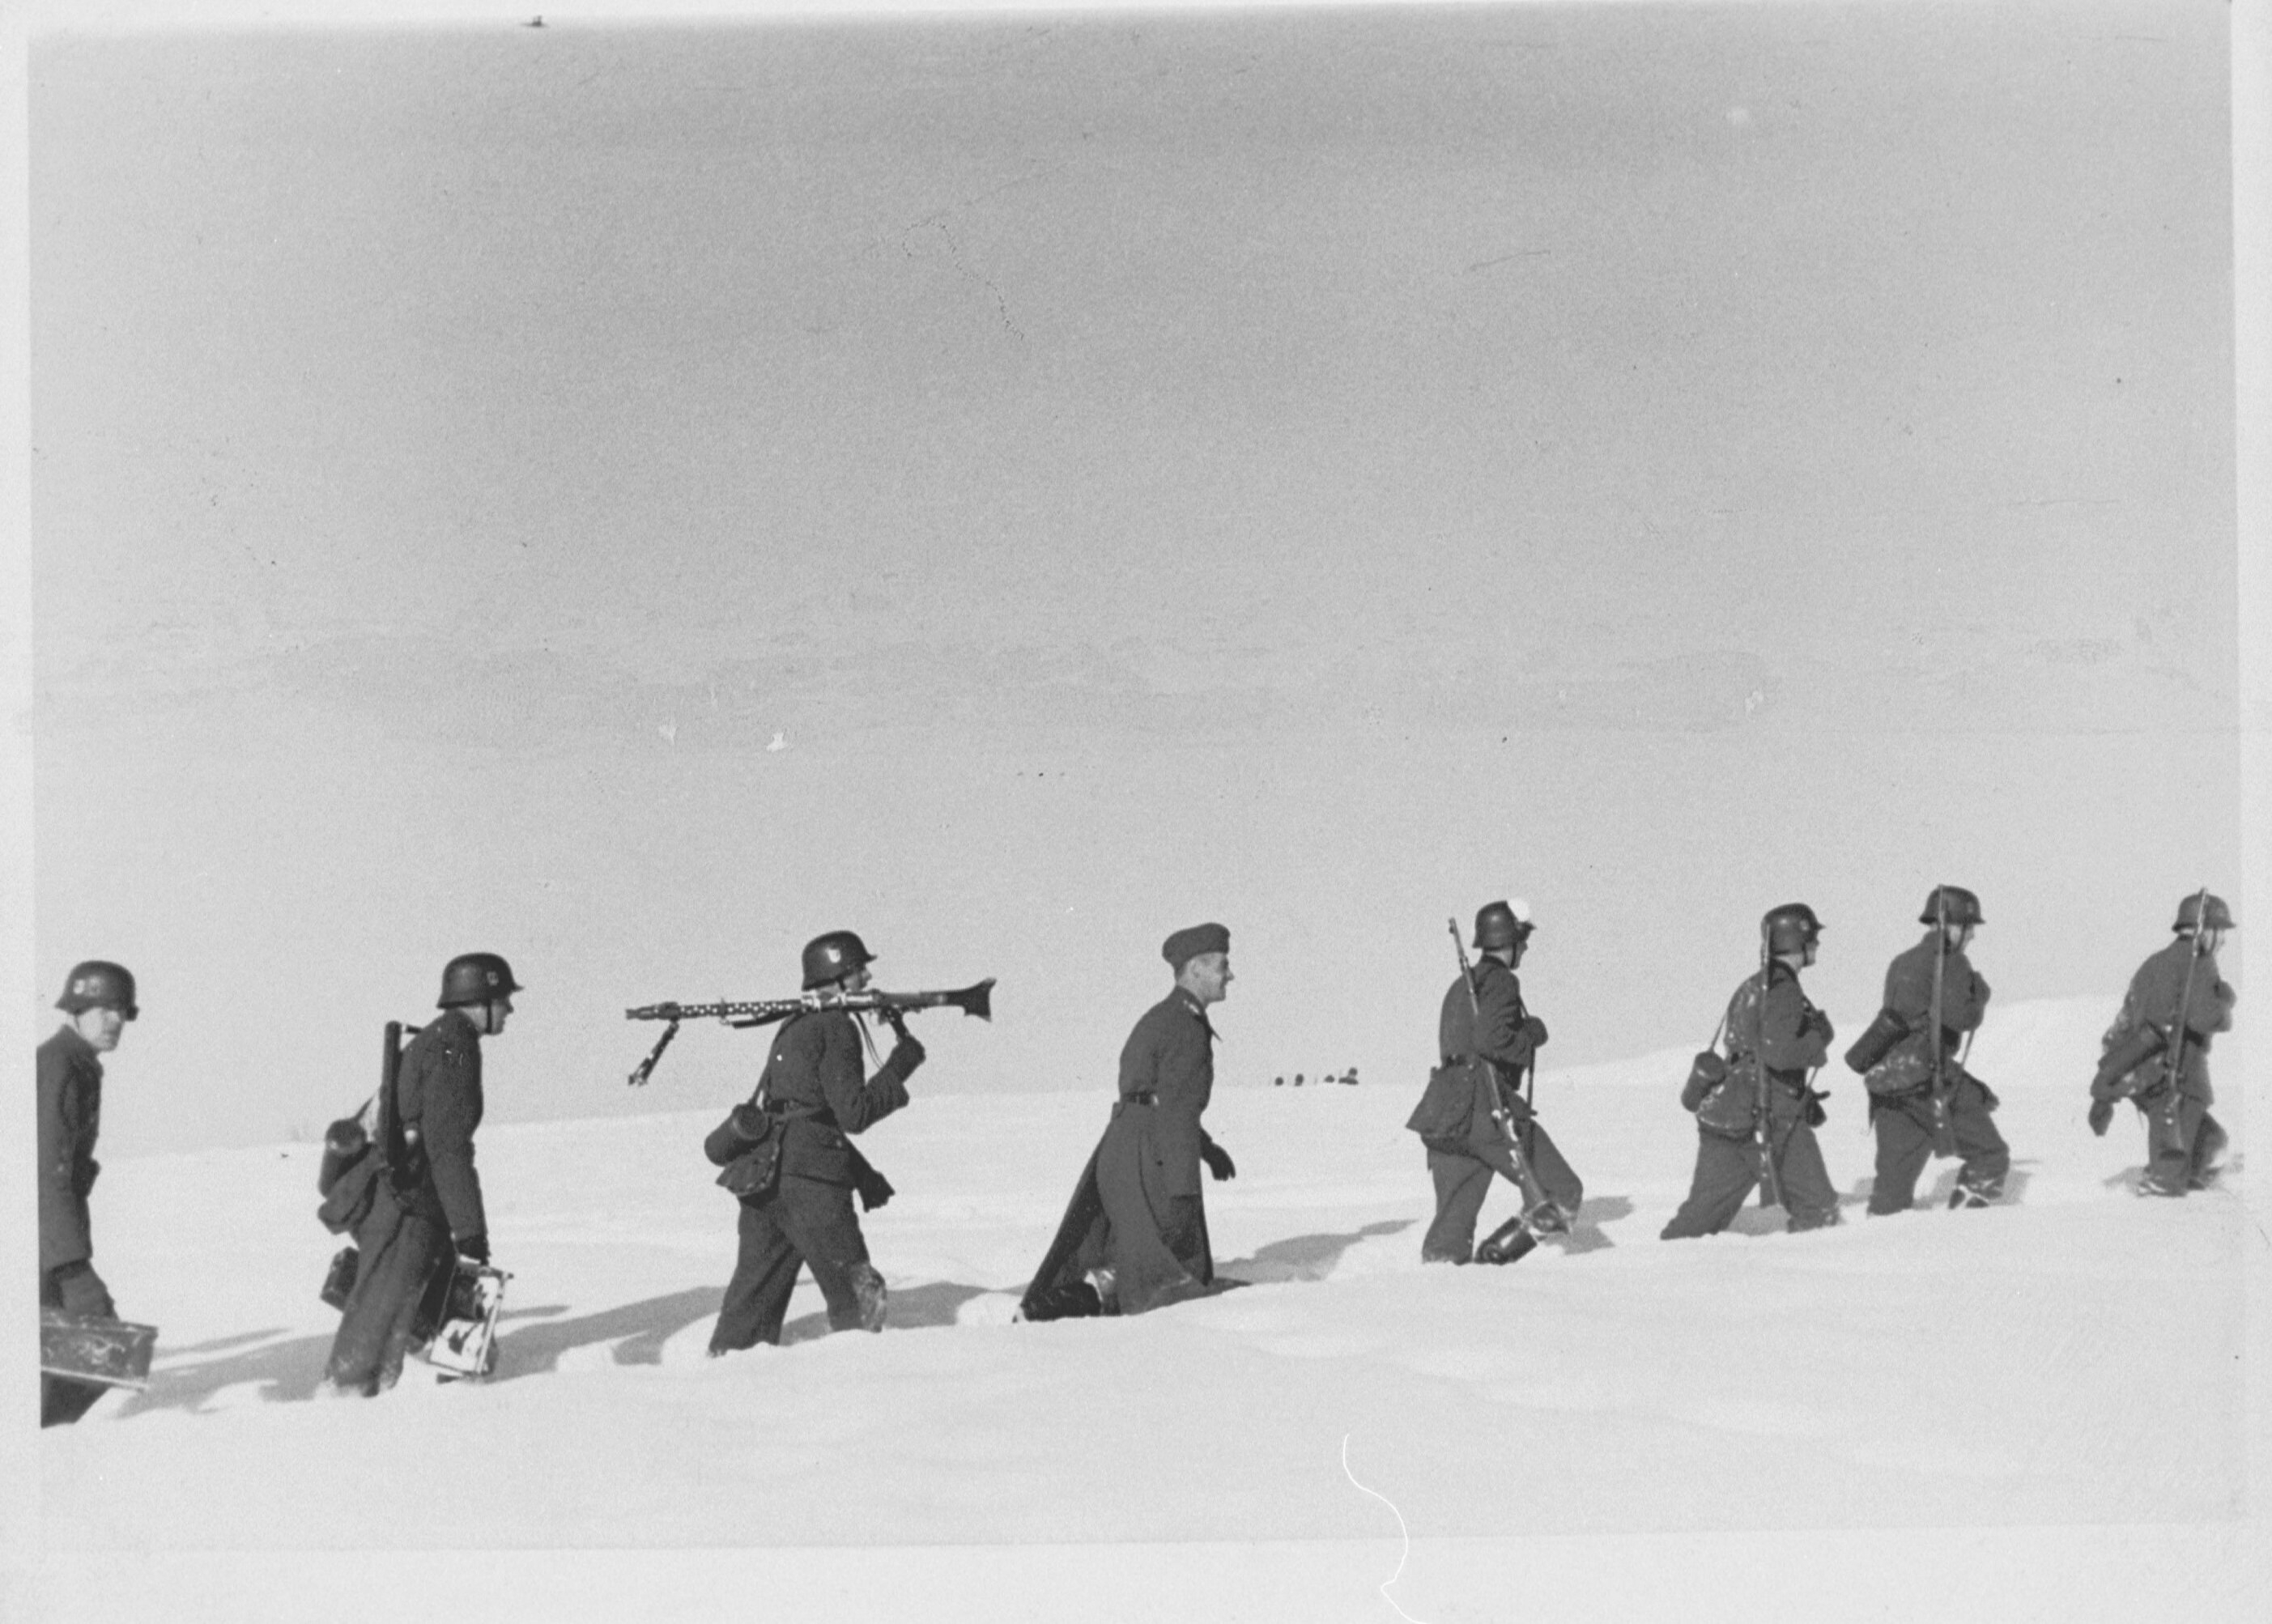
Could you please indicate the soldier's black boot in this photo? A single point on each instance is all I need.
(1510, 1242)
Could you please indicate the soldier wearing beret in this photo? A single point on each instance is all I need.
(98, 1001)
(812, 1087)
(1484, 1019)
(1135, 1235)
(2156, 1052)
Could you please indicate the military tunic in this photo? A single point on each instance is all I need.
(1136, 1211)
(70, 1118)
(1490, 1024)
(2183, 1141)
(813, 1083)
(429, 1199)
(1775, 1037)
(1902, 1110)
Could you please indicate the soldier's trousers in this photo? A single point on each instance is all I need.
(1727, 1170)
(75, 1288)
(1463, 1179)
(1905, 1145)
(400, 1278)
(804, 1224)
(2180, 1148)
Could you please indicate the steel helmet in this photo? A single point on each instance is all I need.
(2189, 917)
(833, 956)
(1503, 924)
(1955, 906)
(476, 977)
(98, 984)
(1790, 928)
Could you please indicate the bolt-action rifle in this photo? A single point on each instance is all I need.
(2171, 1106)
(1762, 1116)
(973, 1000)
(1944, 1125)
(1535, 1203)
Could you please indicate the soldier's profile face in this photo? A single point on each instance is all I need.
(1209, 976)
(859, 981)
(100, 1026)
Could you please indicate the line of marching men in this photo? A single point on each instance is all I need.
(1134, 1236)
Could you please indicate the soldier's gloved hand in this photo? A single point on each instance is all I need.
(2101, 1116)
(81, 1290)
(1218, 1161)
(907, 1054)
(1534, 1029)
(473, 1248)
(1815, 1114)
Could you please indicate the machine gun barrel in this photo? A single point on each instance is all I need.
(976, 999)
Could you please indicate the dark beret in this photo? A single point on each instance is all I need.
(1188, 943)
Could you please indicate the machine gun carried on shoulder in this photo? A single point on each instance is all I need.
(975, 999)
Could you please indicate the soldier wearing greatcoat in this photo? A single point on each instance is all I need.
(2177, 1001)
(1921, 1100)
(1776, 1040)
(99, 999)
(427, 1211)
(803, 1220)
(1484, 1019)
(1134, 1236)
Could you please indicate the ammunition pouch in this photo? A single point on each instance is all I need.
(348, 1176)
(1877, 1041)
(1705, 1073)
(1456, 1109)
(1730, 1108)
(340, 1279)
(2122, 1069)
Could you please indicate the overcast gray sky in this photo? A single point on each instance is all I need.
(632, 496)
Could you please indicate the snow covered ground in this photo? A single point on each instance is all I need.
(2037, 1411)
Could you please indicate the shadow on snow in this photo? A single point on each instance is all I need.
(1303, 1257)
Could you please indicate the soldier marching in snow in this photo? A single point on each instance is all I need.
(798, 1213)
(1134, 1236)
(99, 1000)
(426, 1211)
(1758, 1120)
(1923, 1102)
(1474, 1120)
(2156, 1052)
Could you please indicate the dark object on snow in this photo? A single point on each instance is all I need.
(1069, 1299)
